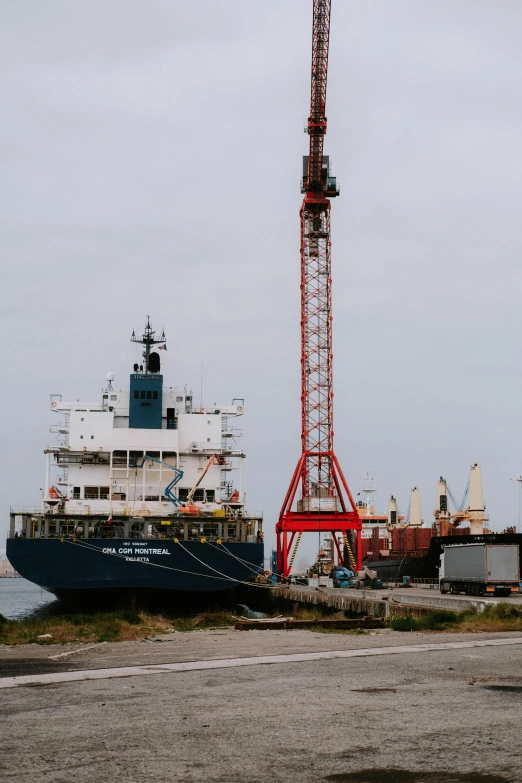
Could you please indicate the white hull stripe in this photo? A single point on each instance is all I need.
(230, 663)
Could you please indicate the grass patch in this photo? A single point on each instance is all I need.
(439, 620)
(121, 625)
(495, 618)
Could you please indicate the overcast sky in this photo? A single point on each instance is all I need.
(151, 157)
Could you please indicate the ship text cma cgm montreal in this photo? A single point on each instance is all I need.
(143, 492)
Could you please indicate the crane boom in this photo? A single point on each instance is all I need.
(314, 180)
(317, 182)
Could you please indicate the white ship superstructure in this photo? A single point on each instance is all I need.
(118, 455)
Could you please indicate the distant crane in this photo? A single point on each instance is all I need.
(326, 503)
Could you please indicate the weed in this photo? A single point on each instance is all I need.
(434, 621)
(407, 623)
(439, 620)
(495, 617)
(120, 625)
(503, 611)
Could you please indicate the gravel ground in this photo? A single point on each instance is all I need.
(449, 716)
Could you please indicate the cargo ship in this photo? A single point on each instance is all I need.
(396, 545)
(399, 547)
(143, 494)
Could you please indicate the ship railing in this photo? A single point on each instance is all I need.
(207, 411)
(427, 582)
(22, 510)
(87, 511)
(106, 511)
(83, 458)
(245, 529)
(207, 450)
(202, 448)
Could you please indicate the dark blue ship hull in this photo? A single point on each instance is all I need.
(100, 564)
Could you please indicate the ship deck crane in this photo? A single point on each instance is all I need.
(326, 503)
(474, 513)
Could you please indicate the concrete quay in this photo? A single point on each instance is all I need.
(387, 602)
(227, 707)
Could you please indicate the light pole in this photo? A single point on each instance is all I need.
(519, 511)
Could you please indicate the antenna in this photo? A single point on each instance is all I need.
(148, 339)
(201, 385)
(519, 513)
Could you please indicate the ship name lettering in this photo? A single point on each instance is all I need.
(139, 551)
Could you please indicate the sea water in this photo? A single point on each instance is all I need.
(20, 598)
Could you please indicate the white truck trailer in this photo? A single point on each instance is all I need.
(477, 569)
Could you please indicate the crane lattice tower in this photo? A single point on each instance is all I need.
(326, 503)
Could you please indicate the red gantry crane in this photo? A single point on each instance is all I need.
(326, 503)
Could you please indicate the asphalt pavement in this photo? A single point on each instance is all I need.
(392, 709)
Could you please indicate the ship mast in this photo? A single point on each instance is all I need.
(367, 490)
(148, 339)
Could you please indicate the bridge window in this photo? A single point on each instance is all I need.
(96, 493)
(91, 493)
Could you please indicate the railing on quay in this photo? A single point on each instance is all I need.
(427, 582)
